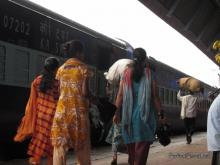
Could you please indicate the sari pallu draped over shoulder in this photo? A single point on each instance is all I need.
(144, 97)
(27, 125)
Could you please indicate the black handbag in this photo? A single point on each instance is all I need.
(163, 134)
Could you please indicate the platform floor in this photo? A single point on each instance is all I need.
(177, 153)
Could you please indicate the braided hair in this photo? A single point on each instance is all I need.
(51, 64)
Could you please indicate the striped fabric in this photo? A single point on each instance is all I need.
(40, 144)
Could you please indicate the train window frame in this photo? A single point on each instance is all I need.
(171, 97)
(178, 102)
(166, 96)
(2, 62)
(161, 94)
(175, 100)
(18, 71)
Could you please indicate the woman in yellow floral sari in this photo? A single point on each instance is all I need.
(70, 127)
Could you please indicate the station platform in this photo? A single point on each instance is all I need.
(176, 153)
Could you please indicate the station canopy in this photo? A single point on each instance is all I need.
(197, 20)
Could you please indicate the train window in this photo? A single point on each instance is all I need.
(161, 94)
(178, 102)
(2, 62)
(171, 97)
(21, 66)
(175, 98)
(166, 96)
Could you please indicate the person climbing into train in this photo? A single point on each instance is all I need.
(70, 127)
(140, 106)
(39, 114)
(189, 106)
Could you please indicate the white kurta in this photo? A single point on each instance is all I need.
(188, 106)
(213, 126)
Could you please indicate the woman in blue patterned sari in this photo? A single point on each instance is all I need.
(138, 97)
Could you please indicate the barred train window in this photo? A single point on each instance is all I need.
(21, 66)
(175, 98)
(166, 96)
(161, 94)
(171, 97)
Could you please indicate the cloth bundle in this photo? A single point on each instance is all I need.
(189, 83)
(116, 70)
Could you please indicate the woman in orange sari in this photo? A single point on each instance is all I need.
(70, 127)
(39, 114)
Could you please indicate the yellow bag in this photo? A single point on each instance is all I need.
(26, 128)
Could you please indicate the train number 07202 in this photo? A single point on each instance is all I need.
(16, 25)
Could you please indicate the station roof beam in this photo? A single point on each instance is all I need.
(197, 20)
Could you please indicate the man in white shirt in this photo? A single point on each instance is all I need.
(188, 113)
(213, 130)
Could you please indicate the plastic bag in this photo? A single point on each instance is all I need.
(163, 134)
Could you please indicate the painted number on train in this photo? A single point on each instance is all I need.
(16, 25)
